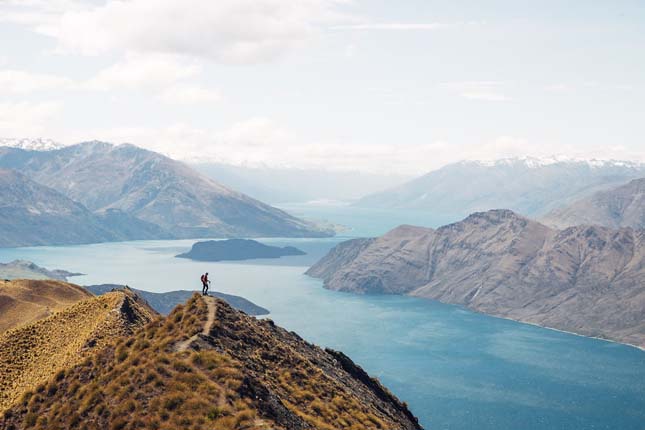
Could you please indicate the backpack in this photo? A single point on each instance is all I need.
(203, 278)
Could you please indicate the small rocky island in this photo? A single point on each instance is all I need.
(236, 250)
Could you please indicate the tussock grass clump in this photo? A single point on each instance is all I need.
(141, 382)
(32, 354)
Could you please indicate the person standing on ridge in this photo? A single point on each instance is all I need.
(205, 283)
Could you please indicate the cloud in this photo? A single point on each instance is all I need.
(228, 31)
(478, 90)
(262, 142)
(27, 119)
(18, 81)
(142, 71)
(392, 26)
(189, 94)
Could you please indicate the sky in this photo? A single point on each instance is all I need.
(388, 87)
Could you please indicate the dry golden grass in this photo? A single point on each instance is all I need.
(141, 382)
(24, 301)
(32, 354)
(242, 374)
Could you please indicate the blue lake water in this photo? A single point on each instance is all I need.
(456, 369)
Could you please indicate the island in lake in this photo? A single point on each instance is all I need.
(236, 250)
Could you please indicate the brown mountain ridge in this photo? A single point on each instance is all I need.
(206, 366)
(585, 279)
(32, 353)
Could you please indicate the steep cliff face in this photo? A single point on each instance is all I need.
(209, 366)
(588, 280)
(623, 206)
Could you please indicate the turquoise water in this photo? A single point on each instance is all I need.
(456, 369)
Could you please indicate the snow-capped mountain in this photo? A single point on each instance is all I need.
(537, 162)
(530, 186)
(31, 144)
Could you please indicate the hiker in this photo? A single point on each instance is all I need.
(205, 283)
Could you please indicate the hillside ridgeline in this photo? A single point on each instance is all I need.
(209, 366)
(32, 354)
(164, 303)
(23, 301)
(623, 206)
(586, 279)
(153, 189)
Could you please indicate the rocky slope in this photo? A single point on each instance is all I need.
(164, 303)
(623, 206)
(33, 354)
(587, 279)
(528, 186)
(209, 366)
(24, 301)
(155, 189)
(33, 214)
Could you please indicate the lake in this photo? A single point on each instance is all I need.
(456, 369)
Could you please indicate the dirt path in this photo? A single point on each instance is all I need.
(210, 302)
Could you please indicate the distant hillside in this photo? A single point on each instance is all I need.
(22, 269)
(528, 186)
(623, 206)
(31, 144)
(588, 279)
(38, 352)
(155, 189)
(284, 185)
(33, 214)
(164, 303)
(209, 366)
(236, 250)
(25, 301)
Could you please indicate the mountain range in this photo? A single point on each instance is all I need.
(290, 185)
(585, 279)
(530, 186)
(33, 214)
(623, 206)
(124, 192)
(110, 362)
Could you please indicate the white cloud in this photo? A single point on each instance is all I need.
(18, 81)
(478, 90)
(26, 119)
(143, 71)
(230, 31)
(262, 142)
(189, 94)
(392, 26)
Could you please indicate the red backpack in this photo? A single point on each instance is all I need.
(203, 278)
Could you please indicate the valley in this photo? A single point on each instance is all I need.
(455, 368)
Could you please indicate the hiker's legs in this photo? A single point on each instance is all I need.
(204, 288)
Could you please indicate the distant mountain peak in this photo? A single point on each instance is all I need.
(31, 144)
(538, 162)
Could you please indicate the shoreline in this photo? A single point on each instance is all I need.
(640, 348)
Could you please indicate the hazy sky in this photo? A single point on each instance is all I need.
(379, 85)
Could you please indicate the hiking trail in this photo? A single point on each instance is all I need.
(210, 302)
